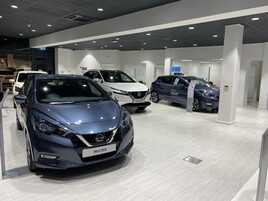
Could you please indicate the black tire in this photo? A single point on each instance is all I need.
(196, 105)
(31, 165)
(155, 97)
(19, 127)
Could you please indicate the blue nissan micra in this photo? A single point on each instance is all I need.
(70, 121)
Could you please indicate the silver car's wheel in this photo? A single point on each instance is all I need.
(155, 97)
(196, 105)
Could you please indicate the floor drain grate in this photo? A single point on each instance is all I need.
(193, 160)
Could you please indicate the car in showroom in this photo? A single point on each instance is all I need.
(174, 88)
(70, 121)
(20, 79)
(125, 89)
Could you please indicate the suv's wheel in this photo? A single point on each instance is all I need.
(196, 105)
(19, 127)
(32, 167)
(155, 97)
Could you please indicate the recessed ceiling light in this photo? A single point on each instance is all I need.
(142, 49)
(49, 25)
(14, 6)
(94, 41)
(114, 41)
(21, 34)
(148, 34)
(186, 60)
(5, 38)
(144, 43)
(117, 39)
(33, 30)
(1, 16)
(120, 45)
(255, 18)
(175, 40)
(194, 44)
(105, 45)
(100, 9)
(75, 44)
(165, 47)
(191, 28)
(215, 36)
(101, 48)
(61, 46)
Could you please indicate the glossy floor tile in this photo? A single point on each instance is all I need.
(155, 169)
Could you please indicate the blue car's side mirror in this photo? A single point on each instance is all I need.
(20, 99)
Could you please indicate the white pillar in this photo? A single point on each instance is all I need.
(230, 73)
(167, 66)
(263, 101)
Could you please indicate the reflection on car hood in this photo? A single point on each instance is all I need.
(133, 86)
(84, 117)
(213, 90)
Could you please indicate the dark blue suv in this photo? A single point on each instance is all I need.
(174, 88)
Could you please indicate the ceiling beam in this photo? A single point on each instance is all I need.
(181, 13)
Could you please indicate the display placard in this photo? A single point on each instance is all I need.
(175, 69)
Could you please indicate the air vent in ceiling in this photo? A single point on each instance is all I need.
(80, 18)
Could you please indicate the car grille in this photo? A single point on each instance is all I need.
(138, 94)
(91, 139)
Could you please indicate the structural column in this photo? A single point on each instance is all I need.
(167, 66)
(230, 73)
(263, 101)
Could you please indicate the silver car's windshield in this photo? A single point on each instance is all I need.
(67, 91)
(116, 76)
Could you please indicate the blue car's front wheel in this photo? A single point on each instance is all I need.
(155, 97)
(196, 105)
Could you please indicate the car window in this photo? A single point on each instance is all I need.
(23, 76)
(166, 80)
(176, 81)
(68, 90)
(116, 76)
(96, 75)
(89, 74)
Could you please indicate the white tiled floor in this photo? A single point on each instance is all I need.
(154, 170)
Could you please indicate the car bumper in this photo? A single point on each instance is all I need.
(210, 104)
(69, 156)
(128, 101)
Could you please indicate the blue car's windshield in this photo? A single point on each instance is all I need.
(67, 91)
(199, 82)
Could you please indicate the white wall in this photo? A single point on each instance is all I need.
(68, 61)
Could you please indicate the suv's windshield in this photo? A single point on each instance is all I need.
(67, 91)
(199, 82)
(116, 76)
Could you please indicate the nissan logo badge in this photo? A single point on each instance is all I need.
(99, 138)
(139, 94)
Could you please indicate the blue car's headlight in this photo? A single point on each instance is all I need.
(48, 128)
(206, 93)
(126, 119)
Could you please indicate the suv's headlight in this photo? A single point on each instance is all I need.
(207, 93)
(126, 120)
(118, 91)
(48, 128)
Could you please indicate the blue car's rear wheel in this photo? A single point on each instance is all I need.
(155, 97)
(31, 165)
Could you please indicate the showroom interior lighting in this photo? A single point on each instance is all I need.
(93, 41)
(195, 45)
(100, 9)
(5, 38)
(148, 34)
(255, 19)
(101, 47)
(144, 43)
(33, 30)
(191, 28)
(21, 34)
(49, 25)
(105, 45)
(142, 49)
(1, 16)
(165, 47)
(175, 40)
(215, 36)
(186, 60)
(117, 38)
(14, 6)
(75, 44)
(120, 45)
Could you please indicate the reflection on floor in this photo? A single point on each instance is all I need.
(155, 169)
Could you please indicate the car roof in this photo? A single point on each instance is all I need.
(62, 76)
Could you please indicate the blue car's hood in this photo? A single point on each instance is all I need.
(84, 118)
(212, 90)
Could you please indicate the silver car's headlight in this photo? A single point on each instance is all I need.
(48, 128)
